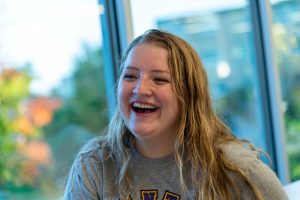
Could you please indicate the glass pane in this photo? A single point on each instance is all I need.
(52, 97)
(286, 35)
(221, 32)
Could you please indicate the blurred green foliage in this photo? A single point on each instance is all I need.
(83, 95)
(14, 91)
(82, 115)
(287, 50)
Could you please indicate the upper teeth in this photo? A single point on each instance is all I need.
(139, 105)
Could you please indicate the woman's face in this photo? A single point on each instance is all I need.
(147, 101)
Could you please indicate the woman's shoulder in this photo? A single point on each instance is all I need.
(246, 158)
(237, 152)
(86, 174)
(259, 173)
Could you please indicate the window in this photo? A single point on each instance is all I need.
(222, 34)
(52, 92)
(286, 37)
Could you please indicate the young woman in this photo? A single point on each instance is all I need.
(165, 140)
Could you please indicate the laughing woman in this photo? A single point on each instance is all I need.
(164, 140)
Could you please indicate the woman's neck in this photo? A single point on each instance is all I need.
(151, 149)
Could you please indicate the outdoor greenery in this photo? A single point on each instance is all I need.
(83, 94)
(287, 46)
(39, 136)
(20, 134)
(82, 115)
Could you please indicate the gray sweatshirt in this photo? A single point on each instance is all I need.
(93, 178)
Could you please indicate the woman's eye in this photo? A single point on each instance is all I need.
(161, 80)
(129, 77)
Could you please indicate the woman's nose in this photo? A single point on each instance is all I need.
(142, 87)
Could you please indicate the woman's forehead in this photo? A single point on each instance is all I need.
(147, 56)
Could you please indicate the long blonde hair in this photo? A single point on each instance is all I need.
(200, 131)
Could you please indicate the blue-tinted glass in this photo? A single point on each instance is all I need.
(221, 33)
(286, 37)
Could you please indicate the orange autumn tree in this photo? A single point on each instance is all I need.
(21, 147)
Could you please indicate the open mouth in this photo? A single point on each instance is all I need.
(143, 108)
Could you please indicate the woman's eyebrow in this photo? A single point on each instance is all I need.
(160, 71)
(131, 68)
(152, 71)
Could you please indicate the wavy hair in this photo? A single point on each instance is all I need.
(200, 131)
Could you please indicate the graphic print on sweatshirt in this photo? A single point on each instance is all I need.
(153, 195)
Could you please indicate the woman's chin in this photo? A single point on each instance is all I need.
(142, 134)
